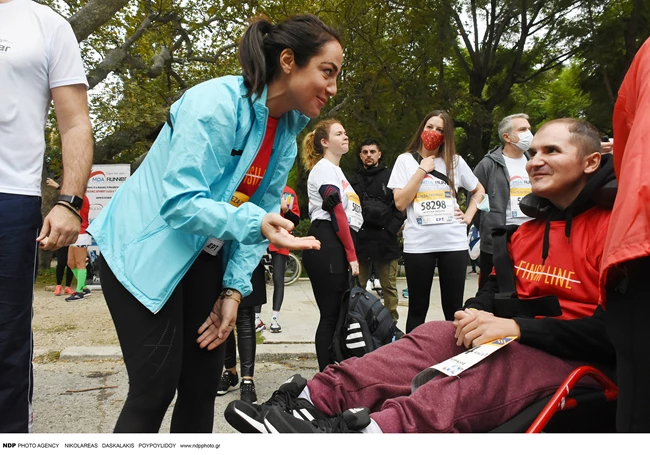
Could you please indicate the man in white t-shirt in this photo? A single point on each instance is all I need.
(502, 172)
(40, 62)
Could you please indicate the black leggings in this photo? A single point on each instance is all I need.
(61, 264)
(161, 354)
(279, 263)
(328, 273)
(245, 341)
(420, 268)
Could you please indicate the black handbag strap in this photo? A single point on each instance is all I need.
(416, 156)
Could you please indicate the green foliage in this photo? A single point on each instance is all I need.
(480, 60)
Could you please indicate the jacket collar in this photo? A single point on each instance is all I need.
(496, 154)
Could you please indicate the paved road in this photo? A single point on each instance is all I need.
(59, 409)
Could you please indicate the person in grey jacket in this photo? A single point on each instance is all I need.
(502, 172)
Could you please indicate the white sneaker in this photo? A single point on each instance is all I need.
(275, 326)
(377, 284)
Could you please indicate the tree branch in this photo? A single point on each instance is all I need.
(93, 15)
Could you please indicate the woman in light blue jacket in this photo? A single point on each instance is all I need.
(191, 224)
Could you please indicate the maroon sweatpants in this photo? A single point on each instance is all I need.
(478, 400)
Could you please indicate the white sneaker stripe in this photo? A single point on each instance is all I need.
(252, 422)
(270, 427)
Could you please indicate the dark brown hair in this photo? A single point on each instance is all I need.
(447, 150)
(263, 42)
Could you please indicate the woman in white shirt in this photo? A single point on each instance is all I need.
(335, 214)
(425, 180)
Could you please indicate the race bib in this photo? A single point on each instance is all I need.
(516, 195)
(213, 245)
(469, 358)
(434, 207)
(353, 211)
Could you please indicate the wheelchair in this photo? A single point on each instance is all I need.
(572, 409)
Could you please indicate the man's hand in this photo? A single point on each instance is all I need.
(60, 228)
(475, 327)
(276, 228)
(219, 324)
(354, 268)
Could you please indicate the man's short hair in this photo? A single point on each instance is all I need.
(505, 125)
(583, 134)
(369, 141)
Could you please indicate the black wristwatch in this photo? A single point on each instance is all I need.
(74, 201)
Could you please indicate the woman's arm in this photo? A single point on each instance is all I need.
(332, 205)
(477, 196)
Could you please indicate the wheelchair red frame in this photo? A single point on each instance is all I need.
(562, 401)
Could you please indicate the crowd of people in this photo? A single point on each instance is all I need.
(181, 243)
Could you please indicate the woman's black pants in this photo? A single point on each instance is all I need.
(245, 341)
(161, 354)
(420, 268)
(328, 273)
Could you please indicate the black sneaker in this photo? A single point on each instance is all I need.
(75, 296)
(227, 382)
(86, 291)
(351, 421)
(249, 418)
(248, 394)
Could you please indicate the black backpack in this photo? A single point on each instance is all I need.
(364, 325)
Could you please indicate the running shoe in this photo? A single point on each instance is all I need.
(75, 296)
(227, 382)
(405, 293)
(68, 290)
(249, 418)
(259, 325)
(275, 326)
(350, 421)
(86, 291)
(58, 290)
(248, 393)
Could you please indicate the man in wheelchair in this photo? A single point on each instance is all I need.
(554, 262)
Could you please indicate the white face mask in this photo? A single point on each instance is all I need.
(525, 139)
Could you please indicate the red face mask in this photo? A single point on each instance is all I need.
(432, 139)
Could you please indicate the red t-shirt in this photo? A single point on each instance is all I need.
(256, 172)
(572, 267)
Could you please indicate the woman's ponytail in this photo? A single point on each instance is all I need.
(309, 154)
(312, 148)
(252, 56)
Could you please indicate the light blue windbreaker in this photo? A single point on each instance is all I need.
(160, 219)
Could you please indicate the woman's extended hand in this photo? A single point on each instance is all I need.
(354, 268)
(219, 324)
(276, 228)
